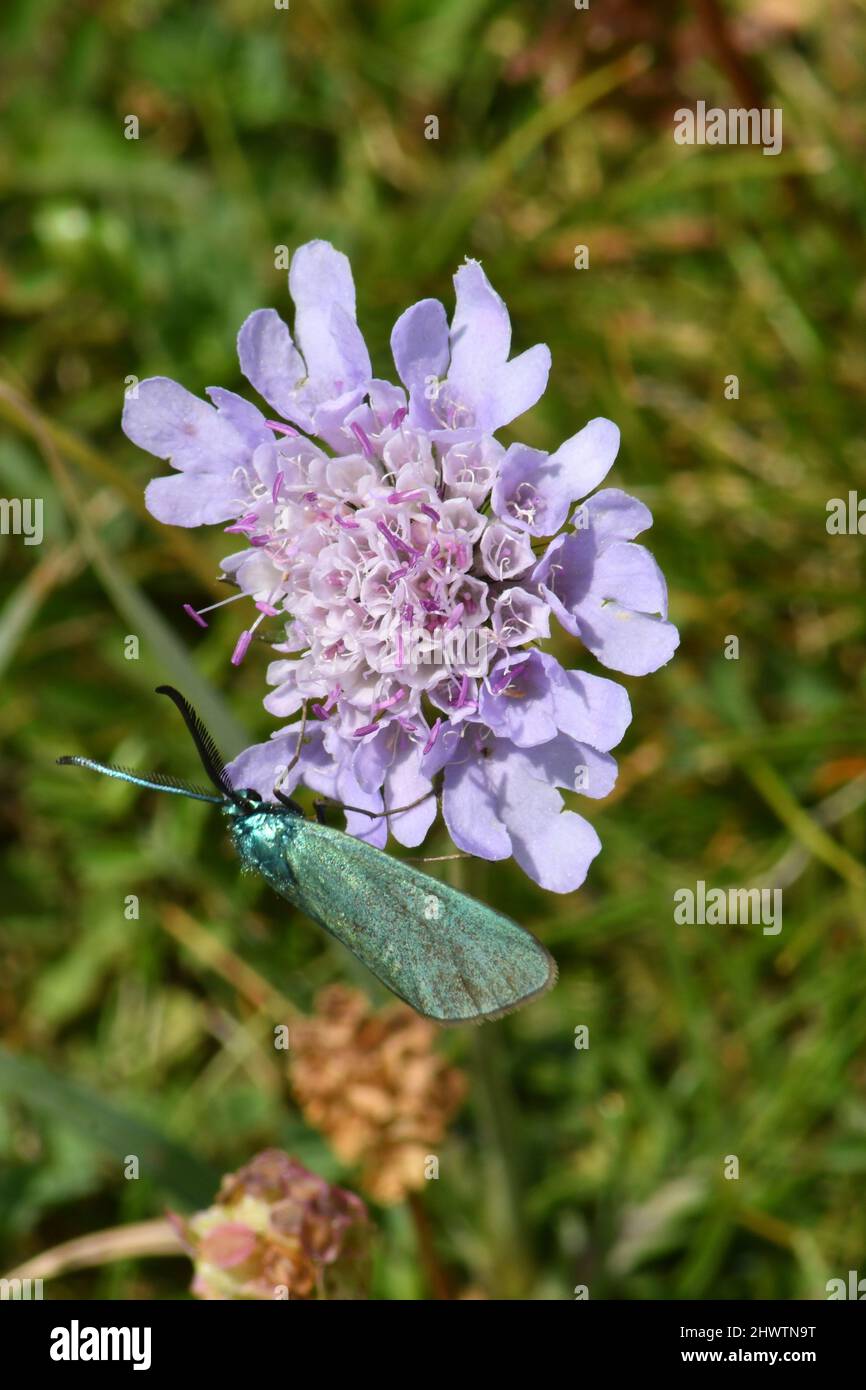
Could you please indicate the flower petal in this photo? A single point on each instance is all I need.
(515, 388)
(419, 344)
(321, 284)
(591, 709)
(272, 364)
(612, 515)
(554, 847)
(469, 806)
(195, 498)
(625, 641)
(585, 459)
(170, 422)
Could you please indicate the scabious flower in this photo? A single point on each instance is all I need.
(415, 564)
(276, 1230)
(372, 1081)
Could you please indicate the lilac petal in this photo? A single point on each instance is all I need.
(419, 344)
(554, 847)
(449, 746)
(480, 328)
(588, 708)
(170, 422)
(372, 757)
(469, 807)
(566, 762)
(626, 641)
(194, 498)
(524, 710)
(272, 364)
(373, 830)
(286, 699)
(524, 493)
(262, 766)
(612, 515)
(329, 421)
(246, 418)
(519, 617)
(628, 573)
(320, 283)
(480, 376)
(585, 459)
(515, 388)
(534, 490)
(404, 784)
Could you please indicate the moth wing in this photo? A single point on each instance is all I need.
(452, 958)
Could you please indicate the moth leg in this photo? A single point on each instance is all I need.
(290, 767)
(435, 858)
(374, 815)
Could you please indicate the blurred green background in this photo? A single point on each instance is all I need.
(262, 127)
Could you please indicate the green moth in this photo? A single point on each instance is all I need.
(452, 958)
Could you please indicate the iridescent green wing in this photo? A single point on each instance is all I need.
(450, 957)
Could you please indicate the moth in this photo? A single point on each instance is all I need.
(451, 958)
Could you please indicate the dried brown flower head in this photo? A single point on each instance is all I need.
(276, 1231)
(371, 1081)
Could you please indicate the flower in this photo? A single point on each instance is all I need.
(415, 565)
(372, 1082)
(276, 1231)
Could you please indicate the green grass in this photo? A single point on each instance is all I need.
(264, 128)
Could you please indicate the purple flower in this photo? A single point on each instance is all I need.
(416, 564)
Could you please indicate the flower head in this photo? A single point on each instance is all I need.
(373, 1083)
(277, 1230)
(416, 565)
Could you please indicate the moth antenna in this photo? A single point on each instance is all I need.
(154, 781)
(211, 758)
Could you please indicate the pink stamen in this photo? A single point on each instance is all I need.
(394, 541)
(275, 490)
(429, 511)
(320, 712)
(282, 429)
(397, 497)
(456, 615)
(191, 613)
(391, 701)
(267, 608)
(399, 649)
(399, 416)
(243, 524)
(367, 729)
(242, 647)
(197, 616)
(346, 522)
(362, 439)
(397, 574)
(434, 734)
